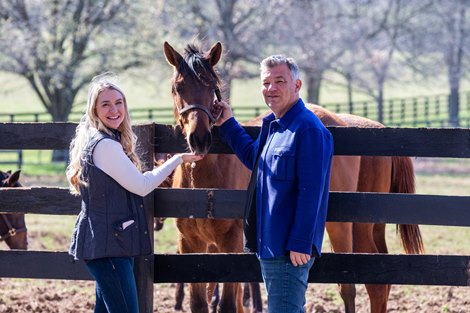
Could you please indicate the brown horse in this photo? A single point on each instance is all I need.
(194, 85)
(376, 174)
(193, 99)
(12, 225)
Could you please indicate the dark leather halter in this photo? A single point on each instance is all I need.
(12, 231)
(195, 106)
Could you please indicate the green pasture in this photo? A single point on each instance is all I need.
(144, 90)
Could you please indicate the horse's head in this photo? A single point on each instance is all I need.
(12, 226)
(194, 85)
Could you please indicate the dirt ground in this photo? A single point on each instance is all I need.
(21, 295)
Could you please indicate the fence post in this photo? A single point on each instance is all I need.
(143, 268)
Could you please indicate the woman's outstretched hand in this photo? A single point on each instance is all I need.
(191, 157)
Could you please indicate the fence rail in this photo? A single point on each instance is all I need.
(440, 270)
(420, 111)
(194, 203)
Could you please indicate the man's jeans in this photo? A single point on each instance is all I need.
(116, 290)
(285, 284)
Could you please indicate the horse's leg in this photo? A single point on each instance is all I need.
(381, 243)
(213, 288)
(375, 176)
(340, 235)
(246, 295)
(232, 241)
(364, 242)
(191, 244)
(213, 296)
(255, 292)
(179, 296)
(344, 177)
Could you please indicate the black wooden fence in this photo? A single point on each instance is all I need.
(453, 270)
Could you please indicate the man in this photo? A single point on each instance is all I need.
(288, 194)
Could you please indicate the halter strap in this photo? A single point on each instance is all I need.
(11, 230)
(195, 106)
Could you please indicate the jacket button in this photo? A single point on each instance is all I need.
(145, 232)
(141, 205)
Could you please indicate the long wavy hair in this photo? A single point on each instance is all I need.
(90, 121)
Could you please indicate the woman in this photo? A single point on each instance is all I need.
(104, 170)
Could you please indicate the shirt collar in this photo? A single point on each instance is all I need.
(288, 117)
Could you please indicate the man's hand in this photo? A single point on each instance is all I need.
(221, 111)
(298, 258)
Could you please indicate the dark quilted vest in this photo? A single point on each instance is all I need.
(105, 206)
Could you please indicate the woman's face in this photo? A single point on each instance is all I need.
(110, 108)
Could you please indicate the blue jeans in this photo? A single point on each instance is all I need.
(285, 284)
(116, 291)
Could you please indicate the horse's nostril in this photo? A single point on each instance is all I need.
(200, 144)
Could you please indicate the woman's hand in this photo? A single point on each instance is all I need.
(221, 111)
(191, 157)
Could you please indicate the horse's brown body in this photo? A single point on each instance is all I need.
(13, 225)
(349, 173)
(367, 174)
(212, 235)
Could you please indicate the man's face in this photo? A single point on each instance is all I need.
(279, 89)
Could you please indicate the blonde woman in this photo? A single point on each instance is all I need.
(105, 171)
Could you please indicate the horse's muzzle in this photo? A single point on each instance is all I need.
(200, 144)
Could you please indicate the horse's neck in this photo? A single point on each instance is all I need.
(204, 174)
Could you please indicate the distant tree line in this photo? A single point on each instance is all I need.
(58, 46)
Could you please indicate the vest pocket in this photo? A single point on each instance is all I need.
(124, 231)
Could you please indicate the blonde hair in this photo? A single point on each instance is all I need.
(90, 121)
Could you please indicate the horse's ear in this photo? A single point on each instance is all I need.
(13, 179)
(172, 56)
(215, 53)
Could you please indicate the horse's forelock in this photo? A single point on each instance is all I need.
(197, 65)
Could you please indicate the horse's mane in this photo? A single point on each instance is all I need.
(196, 65)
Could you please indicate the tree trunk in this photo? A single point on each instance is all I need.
(313, 87)
(380, 105)
(350, 93)
(454, 107)
(60, 113)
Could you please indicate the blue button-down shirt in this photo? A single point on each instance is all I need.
(293, 179)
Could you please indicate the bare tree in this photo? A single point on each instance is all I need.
(317, 33)
(58, 46)
(368, 65)
(443, 40)
(243, 26)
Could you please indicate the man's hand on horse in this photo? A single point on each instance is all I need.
(222, 112)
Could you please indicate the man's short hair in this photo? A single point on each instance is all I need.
(280, 59)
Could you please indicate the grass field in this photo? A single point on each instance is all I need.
(145, 88)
